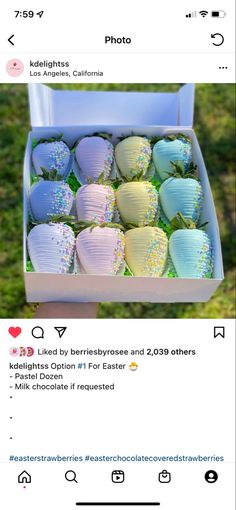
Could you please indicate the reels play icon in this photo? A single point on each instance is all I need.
(118, 476)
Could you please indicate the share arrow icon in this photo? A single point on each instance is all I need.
(60, 331)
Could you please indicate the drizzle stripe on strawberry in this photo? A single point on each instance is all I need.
(95, 202)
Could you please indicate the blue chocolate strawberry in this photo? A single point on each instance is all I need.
(176, 148)
(190, 249)
(52, 154)
(50, 197)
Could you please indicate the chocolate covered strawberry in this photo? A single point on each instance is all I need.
(171, 148)
(95, 203)
(51, 247)
(133, 156)
(52, 154)
(181, 193)
(146, 250)
(94, 155)
(137, 203)
(49, 197)
(100, 249)
(190, 249)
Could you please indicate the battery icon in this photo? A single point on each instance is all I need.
(218, 14)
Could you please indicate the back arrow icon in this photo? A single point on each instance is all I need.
(10, 39)
(220, 42)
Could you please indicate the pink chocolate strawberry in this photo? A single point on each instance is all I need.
(100, 249)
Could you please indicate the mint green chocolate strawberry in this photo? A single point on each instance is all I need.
(190, 249)
(182, 193)
(175, 148)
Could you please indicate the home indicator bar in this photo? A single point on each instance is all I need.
(119, 504)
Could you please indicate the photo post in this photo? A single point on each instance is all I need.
(117, 255)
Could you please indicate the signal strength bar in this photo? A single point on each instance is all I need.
(191, 14)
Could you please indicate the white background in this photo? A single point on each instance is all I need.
(170, 405)
(166, 46)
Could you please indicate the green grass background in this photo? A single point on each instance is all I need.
(215, 127)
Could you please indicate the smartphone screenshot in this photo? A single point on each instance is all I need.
(117, 255)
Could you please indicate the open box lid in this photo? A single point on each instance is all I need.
(49, 107)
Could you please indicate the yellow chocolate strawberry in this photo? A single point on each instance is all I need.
(137, 202)
(133, 156)
(146, 251)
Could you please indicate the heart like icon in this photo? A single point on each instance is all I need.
(14, 331)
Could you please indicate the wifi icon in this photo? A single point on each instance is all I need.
(203, 13)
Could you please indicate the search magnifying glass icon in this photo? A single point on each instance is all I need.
(70, 476)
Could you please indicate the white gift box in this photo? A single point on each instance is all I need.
(76, 113)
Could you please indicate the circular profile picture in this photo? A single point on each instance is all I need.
(30, 351)
(23, 351)
(14, 351)
(14, 67)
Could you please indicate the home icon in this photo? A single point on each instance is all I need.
(24, 477)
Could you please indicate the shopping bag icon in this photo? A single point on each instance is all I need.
(164, 476)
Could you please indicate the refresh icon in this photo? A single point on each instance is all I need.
(219, 37)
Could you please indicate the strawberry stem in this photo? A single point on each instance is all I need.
(100, 180)
(180, 222)
(36, 142)
(51, 175)
(179, 171)
(170, 138)
(81, 225)
(123, 137)
(60, 218)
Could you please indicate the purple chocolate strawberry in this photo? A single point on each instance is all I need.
(94, 156)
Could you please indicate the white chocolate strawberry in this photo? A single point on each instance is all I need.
(133, 156)
(146, 251)
(137, 203)
(94, 156)
(51, 247)
(95, 203)
(101, 250)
